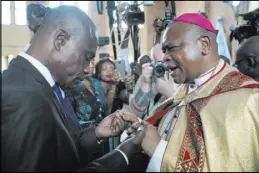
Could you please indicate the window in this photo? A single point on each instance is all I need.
(53, 4)
(83, 5)
(20, 12)
(6, 12)
(69, 2)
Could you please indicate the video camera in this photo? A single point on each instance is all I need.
(160, 68)
(134, 16)
(248, 30)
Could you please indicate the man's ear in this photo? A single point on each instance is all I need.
(205, 45)
(251, 63)
(60, 39)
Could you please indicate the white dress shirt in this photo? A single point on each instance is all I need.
(26, 47)
(156, 160)
(47, 75)
(42, 69)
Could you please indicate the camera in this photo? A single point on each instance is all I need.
(248, 30)
(134, 16)
(160, 68)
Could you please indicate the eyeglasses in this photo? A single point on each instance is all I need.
(245, 57)
(237, 62)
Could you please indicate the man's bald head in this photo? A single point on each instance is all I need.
(247, 57)
(189, 48)
(71, 19)
(251, 45)
(65, 42)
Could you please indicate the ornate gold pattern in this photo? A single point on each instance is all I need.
(192, 152)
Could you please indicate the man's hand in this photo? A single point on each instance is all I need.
(151, 139)
(128, 116)
(165, 86)
(147, 72)
(129, 79)
(132, 145)
(112, 125)
(115, 123)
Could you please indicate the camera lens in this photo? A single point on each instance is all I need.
(159, 71)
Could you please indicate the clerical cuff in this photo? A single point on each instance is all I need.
(156, 160)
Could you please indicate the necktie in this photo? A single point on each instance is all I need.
(65, 104)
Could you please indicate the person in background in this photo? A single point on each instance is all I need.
(159, 89)
(109, 78)
(88, 99)
(89, 102)
(124, 88)
(136, 67)
(34, 15)
(247, 57)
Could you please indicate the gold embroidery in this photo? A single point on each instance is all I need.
(192, 151)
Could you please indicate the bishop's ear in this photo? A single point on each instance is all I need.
(60, 39)
(205, 45)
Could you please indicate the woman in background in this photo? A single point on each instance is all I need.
(88, 99)
(90, 104)
(105, 72)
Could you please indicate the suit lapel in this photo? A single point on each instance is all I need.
(26, 65)
(49, 94)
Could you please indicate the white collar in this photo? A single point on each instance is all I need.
(203, 78)
(41, 68)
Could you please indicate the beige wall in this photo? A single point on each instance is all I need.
(14, 38)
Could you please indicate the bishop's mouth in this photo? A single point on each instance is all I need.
(172, 70)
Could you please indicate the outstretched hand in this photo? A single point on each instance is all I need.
(114, 124)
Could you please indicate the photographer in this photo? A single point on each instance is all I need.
(156, 51)
(152, 92)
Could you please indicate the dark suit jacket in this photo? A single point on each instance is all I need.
(35, 137)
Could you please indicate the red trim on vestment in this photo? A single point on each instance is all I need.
(157, 116)
(225, 64)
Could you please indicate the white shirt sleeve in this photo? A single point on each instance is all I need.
(124, 155)
(156, 160)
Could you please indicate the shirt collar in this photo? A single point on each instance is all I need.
(203, 78)
(41, 68)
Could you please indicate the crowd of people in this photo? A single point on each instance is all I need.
(63, 112)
